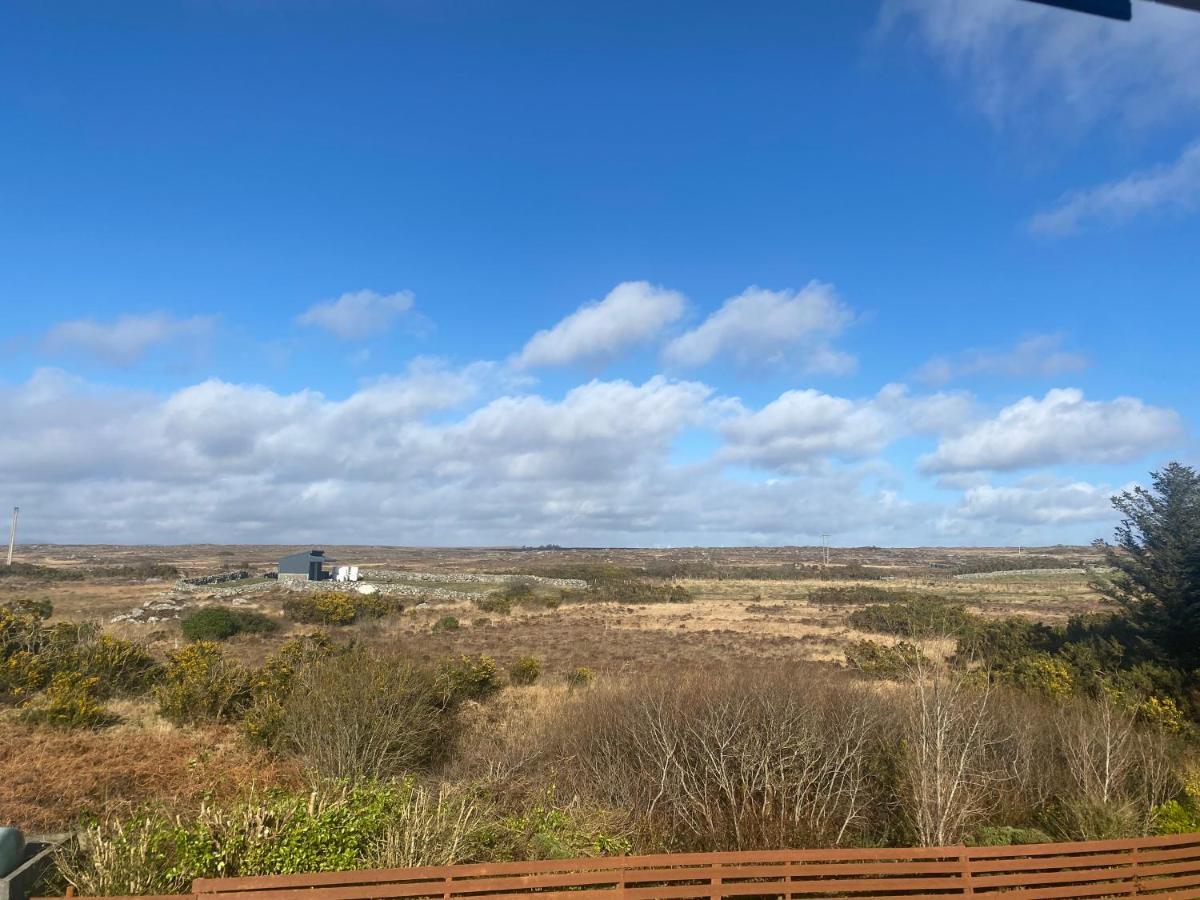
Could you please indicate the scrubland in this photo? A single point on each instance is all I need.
(689, 699)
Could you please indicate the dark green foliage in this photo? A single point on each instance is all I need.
(1007, 835)
(1013, 564)
(854, 595)
(41, 573)
(133, 572)
(1157, 558)
(494, 603)
(919, 616)
(632, 590)
(445, 623)
(218, 623)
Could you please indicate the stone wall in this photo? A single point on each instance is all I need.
(479, 577)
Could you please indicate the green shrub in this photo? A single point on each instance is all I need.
(494, 603)
(524, 671)
(218, 623)
(445, 623)
(1043, 674)
(632, 590)
(271, 685)
(924, 616)
(1176, 817)
(201, 684)
(1007, 835)
(882, 661)
(580, 676)
(72, 700)
(361, 715)
(467, 678)
(321, 608)
(853, 595)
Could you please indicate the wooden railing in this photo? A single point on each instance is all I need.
(1165, 867)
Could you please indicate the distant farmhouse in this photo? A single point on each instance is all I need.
(308, 565)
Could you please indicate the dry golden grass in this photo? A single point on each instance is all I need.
(50, 779)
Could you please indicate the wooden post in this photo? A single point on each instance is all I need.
(1137, 873)
(964, 857)
(714, 882)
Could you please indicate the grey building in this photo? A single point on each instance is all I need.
(304, 566)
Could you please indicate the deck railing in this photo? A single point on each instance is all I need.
(1165, 867)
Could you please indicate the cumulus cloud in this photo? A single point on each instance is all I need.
(806, 426)
(127, 339)
(1034, 503)
(1039, 356)
(1025, 62)
(776, 328)
(633, 313)
(362, 314)
(1172, 188)
(1061, 427)
(461, 455)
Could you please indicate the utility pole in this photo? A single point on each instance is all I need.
(12, 533)
(825, 550)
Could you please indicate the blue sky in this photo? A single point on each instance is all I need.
(922, 271)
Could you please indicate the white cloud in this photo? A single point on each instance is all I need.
(1062, 427)
(440, 455)
(1172, 188)
(774, 328)
(804, 427)
(1039, 356)
(634, 312)
(1033, 503)
(127, 339)
(1026, 62)
(362, 314)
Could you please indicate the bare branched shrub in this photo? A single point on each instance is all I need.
(953, 754)
(1114, 772)
(727, 759)
(361, 715)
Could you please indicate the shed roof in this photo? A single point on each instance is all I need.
(309, 555)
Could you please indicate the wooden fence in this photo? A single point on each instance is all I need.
(1165, 867)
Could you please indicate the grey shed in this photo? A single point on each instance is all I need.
(305, 566)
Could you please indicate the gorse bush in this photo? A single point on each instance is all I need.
(72, 700)
(321, 608)
(218, 623)
(494, 603)
(337, 607)
(445, 623)
(853, 595)
(360, 716)
(201, 684)
(915, 617)
(93, 667)
(631, 590)
(271, 685)
(580, 676)
(467, 678)
(524, 671)
(889, 662)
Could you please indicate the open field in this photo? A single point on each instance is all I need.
(730, 617)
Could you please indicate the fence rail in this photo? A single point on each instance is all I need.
(1165, 867)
